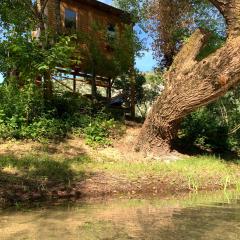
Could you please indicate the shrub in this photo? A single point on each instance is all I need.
(98, 131)
(101, 127)
(68, 103)
(24, 114)
(215, 126)
(204, 129)
(44, 128)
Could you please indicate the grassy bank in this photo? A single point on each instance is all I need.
(32, 172)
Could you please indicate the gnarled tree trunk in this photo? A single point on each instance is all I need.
(191, 84)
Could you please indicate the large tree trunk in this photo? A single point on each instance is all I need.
(191, 84)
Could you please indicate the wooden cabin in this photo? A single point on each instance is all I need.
(79, 16)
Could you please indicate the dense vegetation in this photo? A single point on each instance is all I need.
(214, 127)
(31, 106)
(30, 111)
(25, 115)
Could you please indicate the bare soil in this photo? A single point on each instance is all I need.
(16, 188)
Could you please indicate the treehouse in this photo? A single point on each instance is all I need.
(99, 25)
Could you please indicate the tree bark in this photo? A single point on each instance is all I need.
(191, 84)
(230, 9)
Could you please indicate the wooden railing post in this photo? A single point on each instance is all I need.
(109, 90)
(94, 87)
(74, 82)
(133, 94)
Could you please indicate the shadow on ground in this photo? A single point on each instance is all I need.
(196, 150)
(30, 179)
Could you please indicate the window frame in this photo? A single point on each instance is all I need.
(70, 10)
(111, 34)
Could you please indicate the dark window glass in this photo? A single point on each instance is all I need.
(70, 19)
(111, 32)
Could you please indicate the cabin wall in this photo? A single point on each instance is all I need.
(86, 15)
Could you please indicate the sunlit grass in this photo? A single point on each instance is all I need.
(193, 173)
(196, 172)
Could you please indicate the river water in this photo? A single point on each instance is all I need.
(203, 216)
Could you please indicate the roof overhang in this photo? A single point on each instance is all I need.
(125, 16)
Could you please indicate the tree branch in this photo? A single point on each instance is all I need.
(221, 5)
(43, 6)
(230, 9)
(186, 58)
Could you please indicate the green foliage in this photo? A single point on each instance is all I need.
(68, 104)
(98, 131)
(152, 87)
(214, 42)
(26, 102)
(124, 84)
(215, 126)
(44, 128)
(108, 56)
(25, 115)
(205, 129)
(17, 14)
(29, 59)
(21, 114)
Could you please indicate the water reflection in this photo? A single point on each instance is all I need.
(199, 217)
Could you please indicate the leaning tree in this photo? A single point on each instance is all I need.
(191, 84)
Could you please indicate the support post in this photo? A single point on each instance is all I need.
(74, 82)
(94, 87)
(48, 86)
(109, 90)
(133, 94)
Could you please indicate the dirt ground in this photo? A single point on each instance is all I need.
(16, 188)
(121, 149)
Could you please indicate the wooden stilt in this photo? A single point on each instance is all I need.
(74, 83)
(94, 87)
(133, 95)
(109, 90)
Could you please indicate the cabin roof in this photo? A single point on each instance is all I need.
(107, 8)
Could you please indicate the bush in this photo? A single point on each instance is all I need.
(203, 128)
(98, 131)
(215, 126)
(26, 103)
(25, 115)
(68, 103)
(44, 128)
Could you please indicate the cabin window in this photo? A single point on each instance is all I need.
(70, 19)
(111, 32)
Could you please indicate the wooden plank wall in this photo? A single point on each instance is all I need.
(86, 15)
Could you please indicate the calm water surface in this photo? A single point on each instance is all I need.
(207, 216)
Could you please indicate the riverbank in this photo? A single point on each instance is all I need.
(31, 172)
